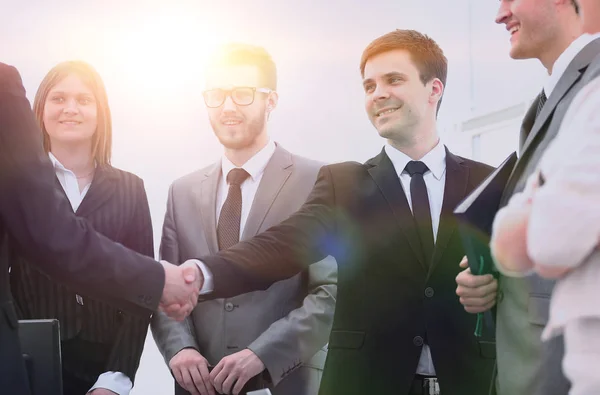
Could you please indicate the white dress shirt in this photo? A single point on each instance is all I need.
(116, 382)
(435, 181)
(565, 58)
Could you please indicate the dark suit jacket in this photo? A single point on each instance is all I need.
(526, 365)
(389, 301)
(117, 207)
(42, 223)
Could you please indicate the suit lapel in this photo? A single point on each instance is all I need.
(60, 188)
(528, 122)
(455, 189)
(569, 78)
(276, 173)
(102, 188)
(383, 173)
(572, 74)
(205, 194)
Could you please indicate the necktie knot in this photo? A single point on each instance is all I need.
(237, 176)
(416, 167)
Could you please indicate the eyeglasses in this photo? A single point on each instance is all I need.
(242, 96)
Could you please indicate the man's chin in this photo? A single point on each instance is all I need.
(387, 132)
(518, 53)
(234, 143)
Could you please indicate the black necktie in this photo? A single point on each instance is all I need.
(228, 229)
(541, 103)
(420, 207)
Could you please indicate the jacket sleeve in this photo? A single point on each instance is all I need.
(297, 337)
(127, 349)
(171, 336)
(284, 250)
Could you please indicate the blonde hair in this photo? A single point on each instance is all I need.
(102, 139)
(241, 54)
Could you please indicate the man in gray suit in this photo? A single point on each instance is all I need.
(550, 31)
(275, 337)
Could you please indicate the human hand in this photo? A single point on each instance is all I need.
(236, 369)
(190, 369)
(182, 287)
(476, 293)
(508, 244)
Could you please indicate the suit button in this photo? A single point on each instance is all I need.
(500, 296)
(429, 292)
(228, 306)
(418, 341)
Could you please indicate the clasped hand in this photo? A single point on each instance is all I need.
(181, 290)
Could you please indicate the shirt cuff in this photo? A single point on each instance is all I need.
(116, 382)
(207, 285)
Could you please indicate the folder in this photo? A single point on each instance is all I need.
(475, 215)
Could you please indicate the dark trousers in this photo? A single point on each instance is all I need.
(83, 362)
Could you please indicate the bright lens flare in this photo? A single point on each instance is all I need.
(165, 52)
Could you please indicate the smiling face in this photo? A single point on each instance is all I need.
(70, 112)
(239, 126)
(396, 99)
(533, 25)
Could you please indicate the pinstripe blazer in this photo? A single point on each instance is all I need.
(116, 206)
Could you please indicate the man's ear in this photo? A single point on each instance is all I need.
(437, 91)
(272, 101)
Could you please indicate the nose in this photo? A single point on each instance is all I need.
(71, 107)
(503, 12)
(380, 93)
(229, 105)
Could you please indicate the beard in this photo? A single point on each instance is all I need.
(241, 136)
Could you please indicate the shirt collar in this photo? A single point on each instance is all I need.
(434, 159)
(55, 162)
(255, 166)
(565, 58)
(59, 166)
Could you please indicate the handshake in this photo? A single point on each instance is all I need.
(182, 288)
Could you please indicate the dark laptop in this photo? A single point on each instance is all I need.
(40, 344)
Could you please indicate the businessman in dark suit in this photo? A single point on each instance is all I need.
(42, 223)
(398, 327)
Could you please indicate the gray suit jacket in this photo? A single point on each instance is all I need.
(287, 325)
(525, 364)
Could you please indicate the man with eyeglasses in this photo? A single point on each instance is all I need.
(267, 339)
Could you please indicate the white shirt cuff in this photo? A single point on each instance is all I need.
(116, 382)
(207, 286)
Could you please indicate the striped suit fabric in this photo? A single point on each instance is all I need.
(116, 206)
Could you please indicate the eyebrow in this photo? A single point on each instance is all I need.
(387, 75)
(77, 94)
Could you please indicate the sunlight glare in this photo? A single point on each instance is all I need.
(165, 52)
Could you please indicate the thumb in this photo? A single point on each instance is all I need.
(464, 263)
(189, 274)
